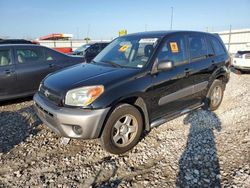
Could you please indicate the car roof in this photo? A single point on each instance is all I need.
(25, 45)
(15, 41)
(159, 34)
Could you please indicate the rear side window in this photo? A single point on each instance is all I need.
(29, 55)
(197, 47)
(5, 58)
(217, 46)
(174, 49)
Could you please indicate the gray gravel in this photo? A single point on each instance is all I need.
(200, 149)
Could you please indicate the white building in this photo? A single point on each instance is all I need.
(236, 40)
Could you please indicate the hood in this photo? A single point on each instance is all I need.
(86, 75)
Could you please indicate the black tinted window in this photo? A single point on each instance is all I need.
(5, 57)
(103, 45)
(174, 50)
(197, 47)
(217, 46)
(94, 48)
(29, 55)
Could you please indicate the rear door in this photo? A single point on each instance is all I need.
(7, 73)
(57, 61)
(31, 67)
(202, 64)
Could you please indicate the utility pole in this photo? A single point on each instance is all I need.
(172, 14)
(229, 38)
(88, 31)
(77, 32)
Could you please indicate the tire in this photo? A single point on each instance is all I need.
(213, 100)
(122, 130)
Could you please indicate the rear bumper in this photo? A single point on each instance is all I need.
(64, 121)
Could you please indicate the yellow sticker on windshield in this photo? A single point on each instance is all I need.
(123, 48)
(174, 47)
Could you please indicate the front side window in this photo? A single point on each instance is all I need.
(5, 57)
(129, 51)
(29, 55)
(173, 50)
(197, 47)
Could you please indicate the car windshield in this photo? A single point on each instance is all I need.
(82, 48)
(127, 51)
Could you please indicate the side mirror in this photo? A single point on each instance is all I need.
(165, 65)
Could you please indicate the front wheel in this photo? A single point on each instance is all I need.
(122, 130)
(215, 95)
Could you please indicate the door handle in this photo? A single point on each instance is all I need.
(8, 72)
(51, 65)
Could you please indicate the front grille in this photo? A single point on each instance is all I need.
(45, 111)
(52, 96)
(247, 56)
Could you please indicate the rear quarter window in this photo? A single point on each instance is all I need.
(51, 55)
(217, 46)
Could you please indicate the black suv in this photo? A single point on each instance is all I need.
(89, 51)
(137, 82)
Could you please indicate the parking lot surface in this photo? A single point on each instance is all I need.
(200, 149)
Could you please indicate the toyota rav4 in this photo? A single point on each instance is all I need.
(137, 82)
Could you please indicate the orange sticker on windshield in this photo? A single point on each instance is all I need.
(174, 47)
(123, 48)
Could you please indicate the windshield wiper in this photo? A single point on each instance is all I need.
(113, 64)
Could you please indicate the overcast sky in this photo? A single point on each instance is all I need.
(102, 19)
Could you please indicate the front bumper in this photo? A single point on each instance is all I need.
(63, 120)
(241, 67)
(242, 64)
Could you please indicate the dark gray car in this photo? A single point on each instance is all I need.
(23, 66)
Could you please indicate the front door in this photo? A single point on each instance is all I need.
(7, 73)
(172, 90)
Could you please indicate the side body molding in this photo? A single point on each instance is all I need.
(183, 93)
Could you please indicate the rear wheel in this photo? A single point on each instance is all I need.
(215, 95)
(122, 130)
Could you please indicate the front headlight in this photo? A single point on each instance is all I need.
(237, 55)
(83, 96)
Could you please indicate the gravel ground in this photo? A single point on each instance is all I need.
(200, 149)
